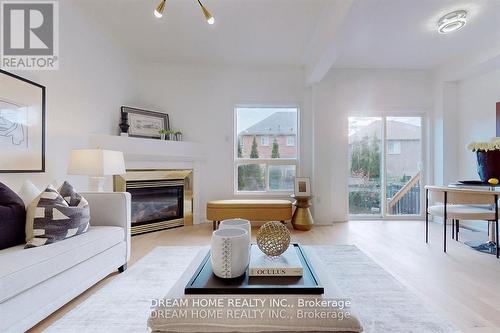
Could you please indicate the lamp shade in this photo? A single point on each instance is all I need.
(96, 162)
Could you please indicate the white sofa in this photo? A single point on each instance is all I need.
(36, 282)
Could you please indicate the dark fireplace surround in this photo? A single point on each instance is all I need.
(161, 199)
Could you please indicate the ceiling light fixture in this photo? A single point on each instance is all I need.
(453, 21)
(160, 9)
(158, 12)
(210, 19)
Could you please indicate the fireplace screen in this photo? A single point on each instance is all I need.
(156, 201)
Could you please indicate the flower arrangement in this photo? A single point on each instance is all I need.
(488, 159)
(493, 144)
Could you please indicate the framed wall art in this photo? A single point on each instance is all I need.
(302, 187)
(144, 123)
(22, 124)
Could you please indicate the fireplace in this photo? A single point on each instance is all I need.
(161, 199)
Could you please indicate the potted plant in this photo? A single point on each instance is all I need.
(167, 134)
(178, 136)
(488, 158)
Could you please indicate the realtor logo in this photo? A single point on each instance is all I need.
(30, 35)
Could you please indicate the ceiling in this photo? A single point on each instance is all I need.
(248, 32)
(371, 34)
(402, 33)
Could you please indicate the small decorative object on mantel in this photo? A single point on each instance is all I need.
(168, 135)
(22, 124)
(488, 158)
(230, 252)
(124, 126)
(144, 123)
(273, 238)
(171, 135)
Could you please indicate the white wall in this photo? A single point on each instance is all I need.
(477, 98)
(200, 101)
(465, 111)
(357, 92)
(83, 96)
(444, 133)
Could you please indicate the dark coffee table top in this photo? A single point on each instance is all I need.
(204, 281)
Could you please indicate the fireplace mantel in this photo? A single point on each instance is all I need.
(151, 154)
(149, 149)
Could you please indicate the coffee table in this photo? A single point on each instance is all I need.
(210, 313)
(204, 281)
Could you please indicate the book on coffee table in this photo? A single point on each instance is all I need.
(286, 264)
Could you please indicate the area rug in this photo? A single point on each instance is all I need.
(380, 302)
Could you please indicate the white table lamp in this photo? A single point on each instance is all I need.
(96, 163)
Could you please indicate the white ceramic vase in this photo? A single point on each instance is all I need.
(237, 223)
(230, 252)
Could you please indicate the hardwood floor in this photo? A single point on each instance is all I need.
(463, 285)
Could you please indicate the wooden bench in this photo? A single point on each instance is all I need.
(252, 210)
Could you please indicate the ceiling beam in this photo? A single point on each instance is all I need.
(326, 43)
(466, 67)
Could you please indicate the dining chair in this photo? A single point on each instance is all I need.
(460, 204)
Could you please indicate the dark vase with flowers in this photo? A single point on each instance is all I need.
(488, 164)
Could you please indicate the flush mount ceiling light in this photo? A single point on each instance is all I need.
(161, 8)
(453, 21)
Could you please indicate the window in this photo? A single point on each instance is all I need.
(393, 147)
(264, 161)
(290, 141)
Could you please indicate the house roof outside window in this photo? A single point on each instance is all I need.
(278, 123)
(396, 130)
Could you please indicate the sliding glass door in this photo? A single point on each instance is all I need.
(385, 166)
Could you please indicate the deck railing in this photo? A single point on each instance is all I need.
(406, 200)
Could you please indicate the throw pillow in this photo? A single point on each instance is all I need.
(12, 218)
(73, 198)
(28, 192)
(50, 218)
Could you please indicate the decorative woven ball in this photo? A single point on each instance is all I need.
(273, 238)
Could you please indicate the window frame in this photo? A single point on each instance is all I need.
(294, 141)
(267, 161)
(262, 140)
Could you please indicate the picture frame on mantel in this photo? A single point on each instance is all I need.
(144, 123)
(22, 124)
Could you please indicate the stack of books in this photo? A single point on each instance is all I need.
(286, 264)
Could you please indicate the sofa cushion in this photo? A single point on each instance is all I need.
(21, 269)
(52, 218)
(28, 192)
(12, 218)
